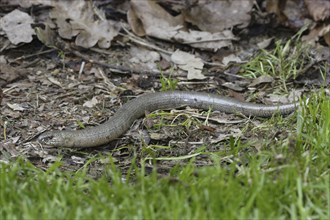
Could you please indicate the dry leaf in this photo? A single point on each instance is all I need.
(295, 12)
(47, 36)
(277, 98)
(327, 38)
(27, 3)
(54, 81)
(316, 33)
(265, 43)
(158, 23)
(9, 74)
(190, 63)
(49, 159)
(154, 19)
(231, 59)
(290, 13)
(143, 55)
(87, 23)
(215, 16)
(135, 23)
(91, 103)
(16, 107)
(261, 80)
(78, 160)
(17, 26)
(205, 40)
(233, 86)
(318, 9)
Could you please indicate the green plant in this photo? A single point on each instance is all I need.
(168, 83)
(284, 62)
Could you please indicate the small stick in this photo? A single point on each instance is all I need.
(82, 66)
(33, 55)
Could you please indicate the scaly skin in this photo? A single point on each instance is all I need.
(121, 121)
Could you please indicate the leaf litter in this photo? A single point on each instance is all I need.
(56, 91)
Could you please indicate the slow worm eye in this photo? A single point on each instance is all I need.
(45, 138)
(48, 138)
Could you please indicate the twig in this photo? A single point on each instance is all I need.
(107, 81)
(210, 40)
(141, 42)
(124, 70)
(81, 69)
(33, 55)
(114, 68)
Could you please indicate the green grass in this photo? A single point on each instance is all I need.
(295, 185)
(284, 62)
(168, 83)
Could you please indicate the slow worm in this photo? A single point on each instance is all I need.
(121, 121)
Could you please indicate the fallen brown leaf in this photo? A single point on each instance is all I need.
(158, 23)
(82, 20)
(9, 74)
(318, 9)
(215, 16)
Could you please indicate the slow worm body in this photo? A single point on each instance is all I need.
(121, 121)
